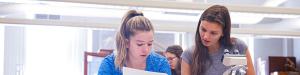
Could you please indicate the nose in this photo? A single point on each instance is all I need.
(170, 62)
(146, 48)
(205, 35)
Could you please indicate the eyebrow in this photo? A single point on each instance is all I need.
(144, 41)
(202, 27)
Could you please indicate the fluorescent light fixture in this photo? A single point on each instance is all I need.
(72, 11)
(2, 16)
(245, 18)
(281, 16)
(253, 18)
(273, 3)
(16, 1)
(275, 36)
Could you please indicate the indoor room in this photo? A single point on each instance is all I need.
(73, 37)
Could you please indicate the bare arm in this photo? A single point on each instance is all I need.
(250, 70)
(185, 68)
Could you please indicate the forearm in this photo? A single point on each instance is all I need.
(185, 68)
(250, 70)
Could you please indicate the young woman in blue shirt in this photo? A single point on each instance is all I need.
(133, 45)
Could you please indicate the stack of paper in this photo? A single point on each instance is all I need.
(131, 71)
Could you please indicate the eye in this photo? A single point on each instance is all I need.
(203, 30)
(213, 33)
(140, 44)
(171, 58)
(149, 44)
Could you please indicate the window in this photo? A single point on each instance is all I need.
(163, 39)
(52, 50)
(103, 39)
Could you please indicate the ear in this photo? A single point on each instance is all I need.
(127, 43)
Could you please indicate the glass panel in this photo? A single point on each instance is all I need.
(163, 40)
(13, 50)
(103, 39)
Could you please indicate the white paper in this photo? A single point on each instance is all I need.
(234, 60)
(131, 71)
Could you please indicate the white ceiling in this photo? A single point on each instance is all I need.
(16, 10)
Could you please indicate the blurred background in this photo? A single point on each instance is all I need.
(50, 37)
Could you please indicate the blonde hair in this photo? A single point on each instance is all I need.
(132, 21)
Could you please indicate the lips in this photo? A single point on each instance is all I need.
(205, 41)
(143, 55)
(172, 66)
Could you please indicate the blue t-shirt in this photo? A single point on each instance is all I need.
(154, 63)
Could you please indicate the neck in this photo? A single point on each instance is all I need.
(136, 63)
(214, 48)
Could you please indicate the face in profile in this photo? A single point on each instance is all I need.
(172, 59)
(210, 33)
(140, 44)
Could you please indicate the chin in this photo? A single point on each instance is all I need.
(206, 45)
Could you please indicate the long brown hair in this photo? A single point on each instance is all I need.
(201, 59)
(132, 22)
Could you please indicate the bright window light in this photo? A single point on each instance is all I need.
(53, 51)
(261, 66)
(89, 40)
